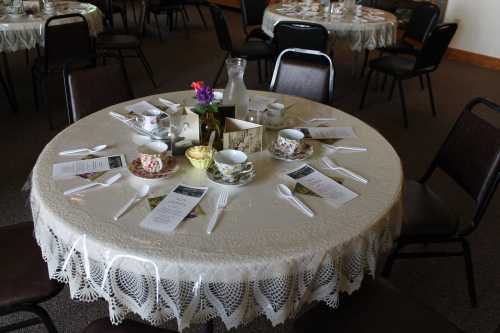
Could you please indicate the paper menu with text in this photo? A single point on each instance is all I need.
(322, 185)
(80, 167)
(328, 132)
(174, 208)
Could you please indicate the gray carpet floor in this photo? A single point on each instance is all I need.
(177, 61)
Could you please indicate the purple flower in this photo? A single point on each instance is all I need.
(204, 95)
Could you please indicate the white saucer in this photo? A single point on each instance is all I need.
(215, 176)
(298, 156)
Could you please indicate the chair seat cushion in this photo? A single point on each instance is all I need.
(377, 307)
(112, 41)
(425, 214)
(401, 47)
(104, 325)
(24, 277)
(252, 50)
(393, 65)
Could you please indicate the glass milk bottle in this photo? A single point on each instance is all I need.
(236, 92)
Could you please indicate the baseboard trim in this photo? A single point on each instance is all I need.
(474, 58)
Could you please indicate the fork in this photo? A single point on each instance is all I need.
(221, 204)
(332, 166)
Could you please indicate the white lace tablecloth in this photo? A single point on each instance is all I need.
(27, 31)
(263, 258)
(374, 29)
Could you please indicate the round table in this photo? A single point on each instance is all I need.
(374, 29)
(27, 31)
(264, 257)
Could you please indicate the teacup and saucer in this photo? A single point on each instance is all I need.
(231, 167)
(153, 161)
(291, 146)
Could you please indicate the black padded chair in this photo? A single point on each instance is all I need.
(252, 13)
(251, 50)
(130, 44)
(62, 42)
(171, 9)
(104, 325)
(305, 73)
(111, 7)
(302, 35)
(24, 282)
(470, 155)
(198, 4)
(109, 86)
(403, 68)
(377, 307)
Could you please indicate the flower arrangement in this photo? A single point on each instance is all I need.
(204, 97)
(206, 108)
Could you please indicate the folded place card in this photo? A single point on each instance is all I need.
(328, 132)
(242, 135)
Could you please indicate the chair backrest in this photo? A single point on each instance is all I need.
(66, 37)
(304, 73)
(252, 12)
(470, 155)
(221, 29)
(435, 46)
(423, 19)
(302, 35)
(90, 88)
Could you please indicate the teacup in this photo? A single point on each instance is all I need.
(290, 141)
(153, 156)
(232, 164)
(150, 119)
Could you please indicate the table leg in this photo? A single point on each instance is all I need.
(11, 93)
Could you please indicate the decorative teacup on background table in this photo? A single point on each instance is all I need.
(232, 164)
(153, 156)
(150, 119)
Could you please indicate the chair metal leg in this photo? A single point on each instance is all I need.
(7, 92)
(403, 103)
(123, 14)
(470, 273)
(431, 95)
(259, 68)
(201, 16)
(219, 71)
(36, 97)
(146, 65)
(42, 317)
(422, 86)
(365, 64)
(10, 83)
(157, 26)
(384, 81)
(386, 271)
(365, 90)
(134, 14)
(393, 86)
(185, 19)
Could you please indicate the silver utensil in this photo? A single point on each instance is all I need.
(286, 193)
(332, 166)
(310, 121)
(143, 191)
(221, 204)
(106, 183)
(337, 148)
(83, 150)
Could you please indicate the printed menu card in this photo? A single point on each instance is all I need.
(322, 185)
(80, 167)
(174, 208)
(328, 132)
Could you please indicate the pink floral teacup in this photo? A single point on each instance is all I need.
(153, 156)
(290, 141)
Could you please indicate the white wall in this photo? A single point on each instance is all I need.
(478, 25)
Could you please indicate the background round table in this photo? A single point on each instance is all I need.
(362, 33)
(27, 31)
(264, 257)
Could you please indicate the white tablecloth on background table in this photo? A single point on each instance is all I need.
(369, 35)
(27, 31)
(264, 257)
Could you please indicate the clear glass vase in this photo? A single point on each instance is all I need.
(236, 92)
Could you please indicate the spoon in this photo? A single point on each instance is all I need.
(286, 193)
(337, 148)
(83, 150)
(143, 191)
(106, 183)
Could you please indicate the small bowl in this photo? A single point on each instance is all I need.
(200, 157)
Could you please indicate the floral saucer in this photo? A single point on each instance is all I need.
(214, 175)
(297, 156)
(137, 170)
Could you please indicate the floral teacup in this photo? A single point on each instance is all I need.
(153, 156)
(232, 164)
(290, 141)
